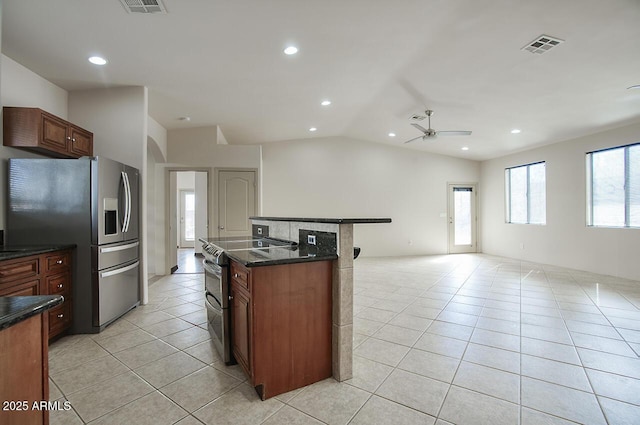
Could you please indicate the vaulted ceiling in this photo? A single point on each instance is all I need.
(221, 62)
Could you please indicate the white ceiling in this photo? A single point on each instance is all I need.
(379, 61)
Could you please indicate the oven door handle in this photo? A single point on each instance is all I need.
(213, 269)
(217, 307)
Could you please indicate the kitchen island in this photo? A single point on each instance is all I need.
(24, 381)
(327, 233)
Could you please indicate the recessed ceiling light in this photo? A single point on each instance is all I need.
(392, 134)
(291, 50)
(637, 86)
(515, 131)
(325, 103)
(312, 129)
(97, 60)
(465, 148)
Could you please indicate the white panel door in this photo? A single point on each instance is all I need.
(236, 202)
(462, 218)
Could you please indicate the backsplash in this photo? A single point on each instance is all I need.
(259, 230)
(324, 241)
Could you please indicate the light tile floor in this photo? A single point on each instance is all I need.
(460, 339)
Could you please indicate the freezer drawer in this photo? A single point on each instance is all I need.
(117, 292)
(113, 254)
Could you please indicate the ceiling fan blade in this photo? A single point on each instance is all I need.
(419, 127)
(454, 133)
(415, 138)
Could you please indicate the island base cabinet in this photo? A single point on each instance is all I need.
(24, 366)
(241, 325)
(288, 340)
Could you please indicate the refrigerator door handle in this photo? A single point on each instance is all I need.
(119, 247)
(127, 198)
(120, 270)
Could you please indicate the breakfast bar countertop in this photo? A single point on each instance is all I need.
(326, 220)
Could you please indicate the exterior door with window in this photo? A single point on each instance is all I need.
(462, 218)
(187, 218)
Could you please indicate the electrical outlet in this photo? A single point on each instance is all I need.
(259, 230)
(311, 239)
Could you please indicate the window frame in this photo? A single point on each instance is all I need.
(508, 193)
(627, 188)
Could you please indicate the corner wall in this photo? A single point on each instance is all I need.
(340, 177)
(20, 86)
(565, 240)
(196, 148)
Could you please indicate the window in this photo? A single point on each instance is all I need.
(526, 194)
(614, 187)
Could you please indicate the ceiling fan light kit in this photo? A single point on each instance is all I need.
(430, 133)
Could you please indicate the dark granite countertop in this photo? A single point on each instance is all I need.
(16, 309)
(256, 252)
(8, 252)
(270, 257)
(326, 220)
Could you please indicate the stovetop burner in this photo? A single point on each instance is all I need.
(214, 248)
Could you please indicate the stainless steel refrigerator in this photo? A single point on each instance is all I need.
(94, 204)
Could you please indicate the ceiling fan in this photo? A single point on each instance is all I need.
(431, 133)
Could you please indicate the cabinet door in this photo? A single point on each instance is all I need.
(54, 133)
(81, 142)
(241, 328)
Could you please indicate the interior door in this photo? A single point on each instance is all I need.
(236, 202)
(462, 218)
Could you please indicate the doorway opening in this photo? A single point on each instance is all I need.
(188, 219)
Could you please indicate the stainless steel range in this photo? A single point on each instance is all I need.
(216, 280)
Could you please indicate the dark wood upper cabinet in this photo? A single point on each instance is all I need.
(39, 131)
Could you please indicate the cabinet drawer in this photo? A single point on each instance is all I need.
(22, 289)
(19, 270)
(57, 261)
(241, 276)
(59, 318)
(58, 284)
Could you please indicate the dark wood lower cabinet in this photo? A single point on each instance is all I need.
(241, 325)
(25, 372)
(281, 324)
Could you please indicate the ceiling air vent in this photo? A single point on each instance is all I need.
(143, 6)
(542, 44)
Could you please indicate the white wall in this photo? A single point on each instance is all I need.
(159, 135)
(565, 240)
(21, 87)
(196, 148)
(340, 177)
(118, 119)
